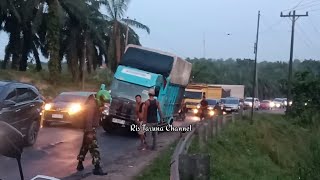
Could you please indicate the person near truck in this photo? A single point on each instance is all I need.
(89, 143)
(140, 121)
(152, 108)
(203, 106)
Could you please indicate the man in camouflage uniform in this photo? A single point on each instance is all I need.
(89, 143)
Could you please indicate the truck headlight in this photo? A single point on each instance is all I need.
(74, 108)
(195, 111)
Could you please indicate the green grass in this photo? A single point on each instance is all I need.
(160, 167)
(65, 83)
(271, 148)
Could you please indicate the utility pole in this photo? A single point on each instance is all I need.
(255, 68)
(294, 18)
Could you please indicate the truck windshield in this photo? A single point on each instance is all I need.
(193, 95)
(128, 90)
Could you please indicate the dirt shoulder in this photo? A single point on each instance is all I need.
(130, 165)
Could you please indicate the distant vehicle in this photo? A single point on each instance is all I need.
(248, 103)
(231, 104)
(279, 102)
(67, 108)
(285, 102)
(267, 104)
(20, 106)
(211, 104)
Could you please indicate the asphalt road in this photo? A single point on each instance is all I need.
(56, 150)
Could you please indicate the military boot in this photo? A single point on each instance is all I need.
(80, 166)
(98, 171)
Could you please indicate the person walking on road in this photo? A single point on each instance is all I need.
(89, 143)
(152, 108)
(140, 121)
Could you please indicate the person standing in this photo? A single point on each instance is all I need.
(152, 108)
(89, 143)
(140, 121)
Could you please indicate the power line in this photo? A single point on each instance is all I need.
(300, 5)
(314, 27)
(272, 25)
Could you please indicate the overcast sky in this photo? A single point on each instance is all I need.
(180, 27)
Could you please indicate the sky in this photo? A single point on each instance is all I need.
(200, 28)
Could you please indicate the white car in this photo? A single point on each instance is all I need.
(248, 103)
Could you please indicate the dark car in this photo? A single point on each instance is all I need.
(66, 108)
(20, 106)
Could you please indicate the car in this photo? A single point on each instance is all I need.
(20, 106)
(67, 108)
(267, 104)
(211, 105)
(231, 104)
(248, 103)
(280, 102)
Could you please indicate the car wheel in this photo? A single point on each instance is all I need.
(32, 133)
(46, 124)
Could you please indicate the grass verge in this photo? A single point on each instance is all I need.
(271, 148)
(160, 167)
(65, 82)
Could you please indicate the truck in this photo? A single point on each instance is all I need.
(195, 92)
(139, 70)
(235, 91)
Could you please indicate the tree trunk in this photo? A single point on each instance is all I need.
(53, 40)
(36, 56)
(118, 42)
(7, 57)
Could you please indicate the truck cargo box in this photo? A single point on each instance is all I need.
(158, 62)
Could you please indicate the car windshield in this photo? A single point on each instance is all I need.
(128, 90)
(265, 101)
(248, 100)
(193, 95)
(231, 101)
(70, 98)
(1, 88)
(223, 101)
(212, 101)
(278, 100)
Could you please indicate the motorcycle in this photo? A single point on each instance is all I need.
(12, 146)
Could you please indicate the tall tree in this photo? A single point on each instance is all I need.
(116, 10)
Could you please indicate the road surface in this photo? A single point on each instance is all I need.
(56, 150)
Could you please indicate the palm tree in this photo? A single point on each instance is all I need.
(116, 10)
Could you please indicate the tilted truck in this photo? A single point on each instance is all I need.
(139, 70)
(195, 92)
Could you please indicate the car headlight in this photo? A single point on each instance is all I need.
(195, 111)
(278, 105)
(198, 106)
(74, 108)
(272, 104)
(290, 103)
(47, 107)
(211, 113)
(210, 108)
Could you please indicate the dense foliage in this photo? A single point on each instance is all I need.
(272, 76)
(74, 30)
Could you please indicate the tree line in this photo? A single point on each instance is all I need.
(72, 29)
(272, 76)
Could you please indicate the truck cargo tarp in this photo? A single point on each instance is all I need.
(153, 61)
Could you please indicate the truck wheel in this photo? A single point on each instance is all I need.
(107, 125)
(32, 133)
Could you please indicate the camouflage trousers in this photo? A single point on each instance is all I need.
(90, 144)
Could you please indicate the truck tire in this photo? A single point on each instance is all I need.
(107, 125)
